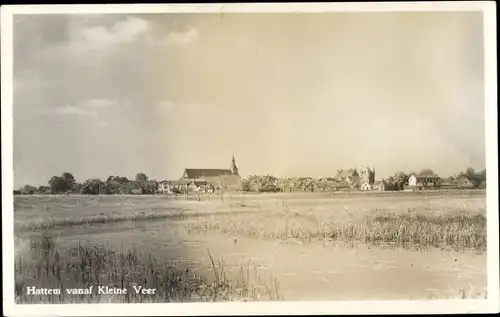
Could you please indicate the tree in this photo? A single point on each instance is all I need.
(58, 185)
(246, 186)
(400, 179)
(77, 188)
(119, 179)
(69, 179)
(470, 173)
(94, 187)
(482, 175)
(28, 190)
(113, 187)
(391, 179)
(475, 177)
(142, 179)
(151, 187)
(427, 171)
(44, 189)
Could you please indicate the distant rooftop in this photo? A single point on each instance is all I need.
(200, 173)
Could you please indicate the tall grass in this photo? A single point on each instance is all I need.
(75, 220)
(86, 266)
(460, 230)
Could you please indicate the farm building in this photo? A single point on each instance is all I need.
(422, 181)
(464, 182)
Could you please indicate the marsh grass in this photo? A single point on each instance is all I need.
(53, 222)
(84, 266)
(457, 230)
(469, 292)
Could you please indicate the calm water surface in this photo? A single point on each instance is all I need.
(305, 271)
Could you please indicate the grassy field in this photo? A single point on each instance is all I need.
(446, 221)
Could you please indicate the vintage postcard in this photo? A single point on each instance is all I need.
(249, 159)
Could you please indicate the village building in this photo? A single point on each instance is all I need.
(448, 183)
(385, 186)
(165, 187)
(341, 186)
(227, 179)
(323, 185)
(307, 184)
(350, 176)
(463, 182)
(365, 186)
(377, 185)
(367, 178)
(424, 181)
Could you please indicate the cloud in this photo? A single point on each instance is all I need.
(86, 108)
(181, 38)
(165, 105)
(70, 110)
(101, 103)
(124, 31)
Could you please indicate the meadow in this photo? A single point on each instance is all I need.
(255, 247)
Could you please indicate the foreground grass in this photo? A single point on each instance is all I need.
(86, 266)
(457, 230)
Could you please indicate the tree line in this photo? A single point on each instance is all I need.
(113, 185)
(400, 179)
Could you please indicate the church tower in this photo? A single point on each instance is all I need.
(234, 168)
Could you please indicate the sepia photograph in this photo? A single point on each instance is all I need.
(280, 154)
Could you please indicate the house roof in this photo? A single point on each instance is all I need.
(448, 181)
(198, 183)
(322, 184)
(180, 182)
(377, 183)
(341, 184)
(425, 176)
(198, 173)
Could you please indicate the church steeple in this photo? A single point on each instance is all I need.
(234, 168)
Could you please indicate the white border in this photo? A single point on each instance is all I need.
(271, 308)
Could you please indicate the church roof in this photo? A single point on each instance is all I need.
(199, 173)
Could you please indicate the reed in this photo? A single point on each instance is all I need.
(459, 230)
(99, 265)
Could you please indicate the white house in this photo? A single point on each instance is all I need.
(424, 180)
(365, 186)
(165, 187)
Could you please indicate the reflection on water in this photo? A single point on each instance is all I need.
(306, 271)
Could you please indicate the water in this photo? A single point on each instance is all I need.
(305, 271)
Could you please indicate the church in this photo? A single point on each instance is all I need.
(229, 178)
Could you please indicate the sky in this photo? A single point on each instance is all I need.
(290, 94)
